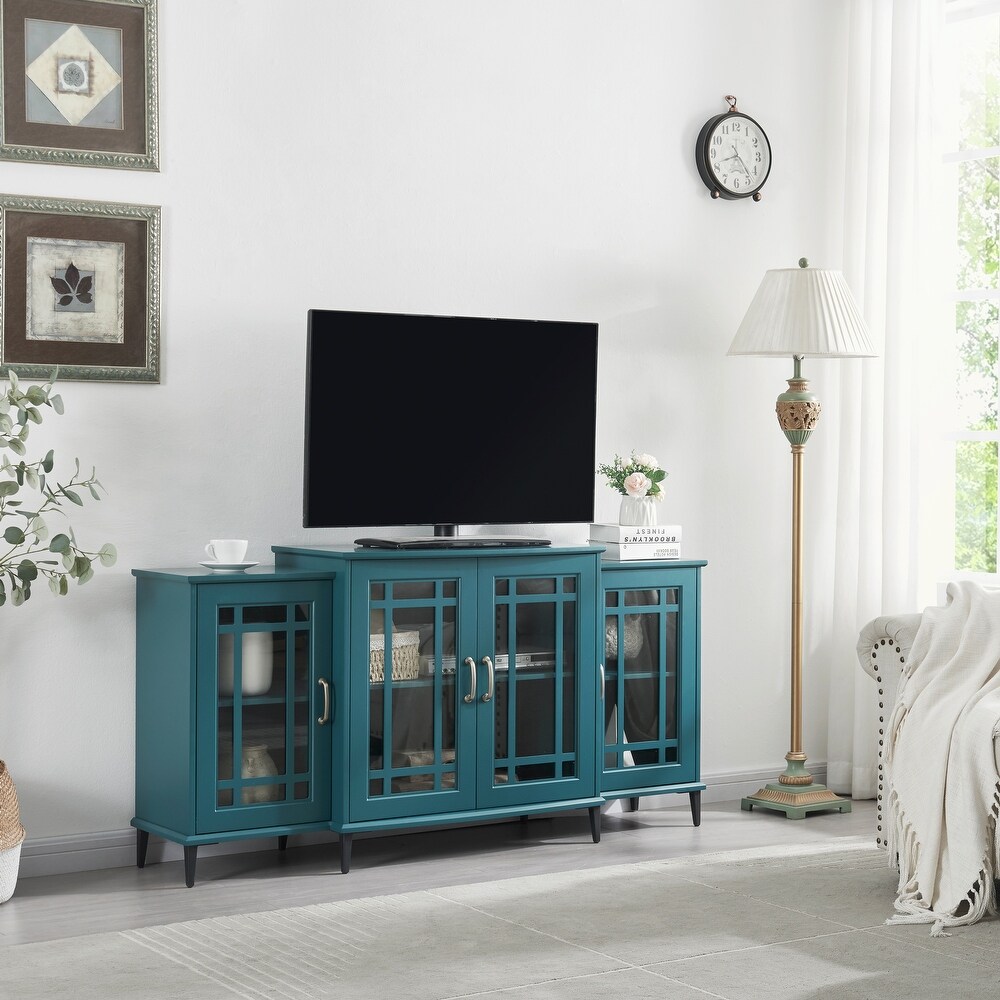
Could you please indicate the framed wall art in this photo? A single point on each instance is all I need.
(78, 80)
(79, 289)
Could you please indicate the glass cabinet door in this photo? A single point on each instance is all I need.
(413, 695)
(648, 726)
(530, 708)
(269, 702)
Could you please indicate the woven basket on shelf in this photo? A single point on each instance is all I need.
(11, 834)
(405, 657)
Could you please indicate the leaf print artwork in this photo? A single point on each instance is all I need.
(73, 285)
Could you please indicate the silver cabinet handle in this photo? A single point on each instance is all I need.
(602, 682)
(489, 680)
(325, 717)
(471, 696)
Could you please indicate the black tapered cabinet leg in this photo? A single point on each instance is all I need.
(695, 798)
(141, 843)
(345, 852)
(282, 841)
(595, 823)
(190, 860)
(633, 804)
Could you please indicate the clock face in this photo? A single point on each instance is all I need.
(738, 155)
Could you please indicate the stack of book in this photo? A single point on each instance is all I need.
(635, 541)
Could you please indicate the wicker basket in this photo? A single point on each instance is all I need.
(11, 831)
(11, 834)
(405, 657)
(10, 861)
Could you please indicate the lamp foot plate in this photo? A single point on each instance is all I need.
(796, 802)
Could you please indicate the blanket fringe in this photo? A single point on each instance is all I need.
(904, 850)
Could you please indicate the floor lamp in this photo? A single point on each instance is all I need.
(800, 311)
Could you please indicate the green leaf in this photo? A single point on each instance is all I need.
(108, 554)
(13, 535)
(87, 574)
(27, 570)
(8, 487)
(63, 586)
(59, 543)
(68, 560)
(54, 584)
(37, 395)
(93, 492)
(81, 566)
(32, 478)
(33, 415)
(73, 497)
(40, 528)
(15, 445)
(18, 597)
(57, 403)
(12, 378)
(48, 461)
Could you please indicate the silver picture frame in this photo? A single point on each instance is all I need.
(78, 82)
(79, 289)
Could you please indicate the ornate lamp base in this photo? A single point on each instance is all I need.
(795, 804)
(795, 793)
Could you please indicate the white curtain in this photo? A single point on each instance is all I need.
(887, 464)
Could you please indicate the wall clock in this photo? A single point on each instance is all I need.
(733, 154)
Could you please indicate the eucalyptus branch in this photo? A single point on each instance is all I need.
(19, 408)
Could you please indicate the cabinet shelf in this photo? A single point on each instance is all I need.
(227, 701)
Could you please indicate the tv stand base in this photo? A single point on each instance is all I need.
(453, 542)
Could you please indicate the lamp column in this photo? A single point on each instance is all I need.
(795, 793)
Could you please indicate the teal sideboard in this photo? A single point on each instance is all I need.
(652, 663)
(233, 707)
(411, 688)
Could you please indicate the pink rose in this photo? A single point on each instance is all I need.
(637, 485)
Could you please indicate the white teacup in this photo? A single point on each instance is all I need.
(227, 550)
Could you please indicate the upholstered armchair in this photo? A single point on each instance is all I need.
(883, 647)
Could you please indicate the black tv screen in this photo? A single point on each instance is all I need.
(448, 420)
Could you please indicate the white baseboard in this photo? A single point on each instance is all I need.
(116, 848)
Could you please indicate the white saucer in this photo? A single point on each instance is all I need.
(221, 567)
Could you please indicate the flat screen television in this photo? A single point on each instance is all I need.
(444, 421)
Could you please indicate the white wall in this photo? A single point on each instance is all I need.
(529, 158)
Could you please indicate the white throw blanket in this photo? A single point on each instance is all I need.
(942, 782)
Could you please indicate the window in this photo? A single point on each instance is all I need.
(972, 46)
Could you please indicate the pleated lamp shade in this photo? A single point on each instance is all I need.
(803, 311)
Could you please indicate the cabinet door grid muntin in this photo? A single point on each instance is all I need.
(419, 717)
(267, 768)
(529, 742)
(650, 707)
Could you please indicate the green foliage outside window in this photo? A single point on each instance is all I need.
(977, 324)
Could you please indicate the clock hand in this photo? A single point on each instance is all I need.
(737, 156)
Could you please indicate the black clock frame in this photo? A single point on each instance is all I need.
(702, 158)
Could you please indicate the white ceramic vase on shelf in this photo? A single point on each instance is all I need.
(258, 662)
(255, 762)
(637, 511)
